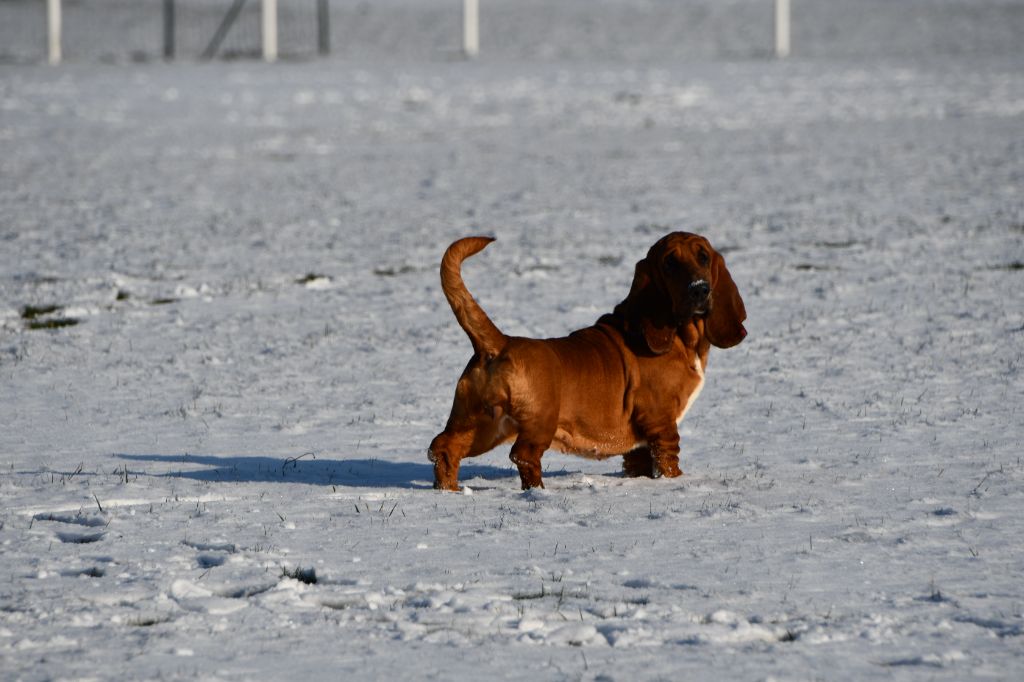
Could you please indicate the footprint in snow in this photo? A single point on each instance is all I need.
(80, 538)
(76, 537)
(91, 521)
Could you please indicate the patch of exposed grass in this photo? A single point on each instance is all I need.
(32, 312)
(653, 228)
(37, 317)
(813, 267)
(52, 324)
(849, 243)
(148, 621)
(1010, 267)
(303, 575)
(393, 271)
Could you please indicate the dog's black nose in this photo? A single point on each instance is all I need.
(700, 290)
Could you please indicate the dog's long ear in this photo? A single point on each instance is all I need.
(725, 322)
(648, 310)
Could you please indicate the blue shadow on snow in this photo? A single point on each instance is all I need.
(359, 473)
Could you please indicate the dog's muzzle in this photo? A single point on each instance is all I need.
(700, 295)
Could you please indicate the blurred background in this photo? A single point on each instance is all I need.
(630, 30)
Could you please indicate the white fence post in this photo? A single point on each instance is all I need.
(782, 28)
(53, 40)
(269, 11)
(471, 27)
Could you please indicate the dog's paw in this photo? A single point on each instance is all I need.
(447, 487)
(667, 469)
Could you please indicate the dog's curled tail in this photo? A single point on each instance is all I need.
(487, 339)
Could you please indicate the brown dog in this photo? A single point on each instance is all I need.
(619, 387)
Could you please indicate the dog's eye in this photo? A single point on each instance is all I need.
(703, 258)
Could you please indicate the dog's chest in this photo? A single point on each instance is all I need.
(695, 391)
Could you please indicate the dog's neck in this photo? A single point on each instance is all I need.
(689, 330)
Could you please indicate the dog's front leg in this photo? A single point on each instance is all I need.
(664, 446)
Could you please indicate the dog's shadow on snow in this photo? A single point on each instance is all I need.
(358, 473)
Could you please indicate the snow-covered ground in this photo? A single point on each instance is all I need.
(216, 467)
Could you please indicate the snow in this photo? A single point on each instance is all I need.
(219, 469)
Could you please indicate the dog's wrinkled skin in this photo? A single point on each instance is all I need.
(619, 387)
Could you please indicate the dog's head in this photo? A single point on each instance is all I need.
(682, 278)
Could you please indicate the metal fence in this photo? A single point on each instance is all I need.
(142, 30)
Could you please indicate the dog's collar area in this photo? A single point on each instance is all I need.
(636, 336)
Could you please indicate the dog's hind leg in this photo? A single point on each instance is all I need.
(460, 439)
(446, 452)
(471, 430)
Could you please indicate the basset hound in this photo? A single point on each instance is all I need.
(619, 387)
